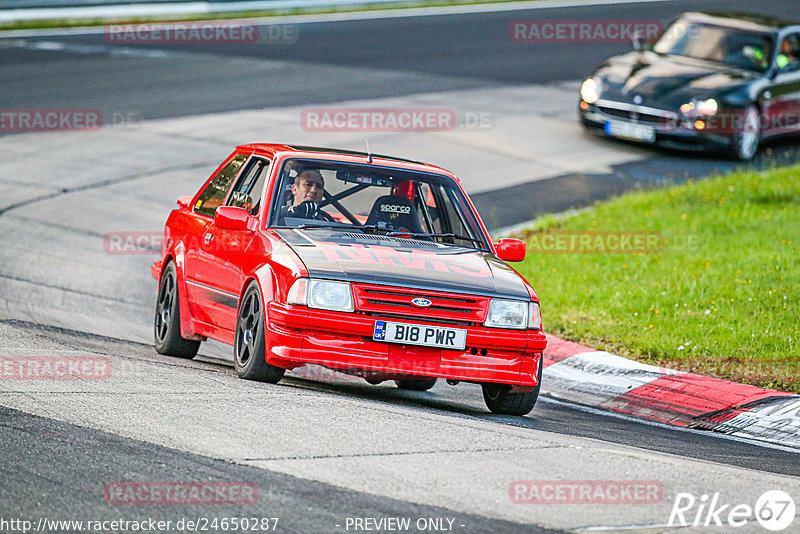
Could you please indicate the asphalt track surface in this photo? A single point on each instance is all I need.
(54, 468)
(392, 56)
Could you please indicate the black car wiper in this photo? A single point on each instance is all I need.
(423, 234)
(372, 227)
(307, 226)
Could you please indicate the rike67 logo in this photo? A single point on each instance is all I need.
(774, 510)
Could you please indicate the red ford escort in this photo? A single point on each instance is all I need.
(369, 265)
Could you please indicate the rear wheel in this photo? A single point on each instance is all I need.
(500, 400)
(416, 385)
(744, 143)
(167, 323)
(249, 355)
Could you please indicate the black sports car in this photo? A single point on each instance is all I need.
(711, 81)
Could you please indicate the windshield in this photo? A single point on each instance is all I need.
(731, 46)
(378, 200)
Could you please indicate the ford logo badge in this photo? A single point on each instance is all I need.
(421, 302)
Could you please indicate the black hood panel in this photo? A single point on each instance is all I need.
(394, 261)
(667, 81)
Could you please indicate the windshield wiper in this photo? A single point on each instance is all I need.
(373, 227)
(455, 236)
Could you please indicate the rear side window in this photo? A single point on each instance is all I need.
(213, 196)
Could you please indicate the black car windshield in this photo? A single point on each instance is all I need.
(371, 199)
(721, 44)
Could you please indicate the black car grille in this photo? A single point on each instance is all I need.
(635, 115)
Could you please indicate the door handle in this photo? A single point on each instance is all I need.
(208, 237)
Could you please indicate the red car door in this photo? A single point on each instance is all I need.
(222, 256)
(206, 294)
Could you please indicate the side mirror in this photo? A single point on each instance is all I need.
(183, 202)
(510, 249)
(232, 218)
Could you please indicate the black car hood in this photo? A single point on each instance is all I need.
(377, 259)
(667, 81)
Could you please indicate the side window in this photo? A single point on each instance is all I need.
(214, 194)
(789, 52)
(247, 193)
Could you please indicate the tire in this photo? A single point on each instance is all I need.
(249, 356)
(499, 400)
(744, 143)
(167, 322)
(416, 385)
(373, 381)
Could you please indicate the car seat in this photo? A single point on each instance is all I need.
(394, 213)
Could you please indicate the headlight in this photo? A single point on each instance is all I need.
(703, 107)
(321, 294)
(507, 314)
(591, 89)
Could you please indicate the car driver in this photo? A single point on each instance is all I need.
(307, 189)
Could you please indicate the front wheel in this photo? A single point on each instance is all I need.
(744, 143)
(416, 385)
(249, 355)
(167, 323)
(500, 400)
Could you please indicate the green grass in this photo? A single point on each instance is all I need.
(84, 22)
(720, 298)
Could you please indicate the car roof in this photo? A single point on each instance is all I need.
(343, 155)
(744, 21)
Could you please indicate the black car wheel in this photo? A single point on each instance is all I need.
(744, 143)
(416, 385)
(249, 356)
(167, 322)
(500, 400)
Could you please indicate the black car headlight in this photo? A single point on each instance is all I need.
(591, 90)
(702, 107)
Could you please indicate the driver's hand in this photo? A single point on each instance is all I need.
(305, 210)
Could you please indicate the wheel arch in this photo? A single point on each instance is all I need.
(176, 256)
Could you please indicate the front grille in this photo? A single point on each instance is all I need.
(445, 307)
(635, 115)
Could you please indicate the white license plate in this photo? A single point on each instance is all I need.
(416, 334)
(629, 130)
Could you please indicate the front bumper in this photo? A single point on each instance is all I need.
(343, 341)
(669, 128)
